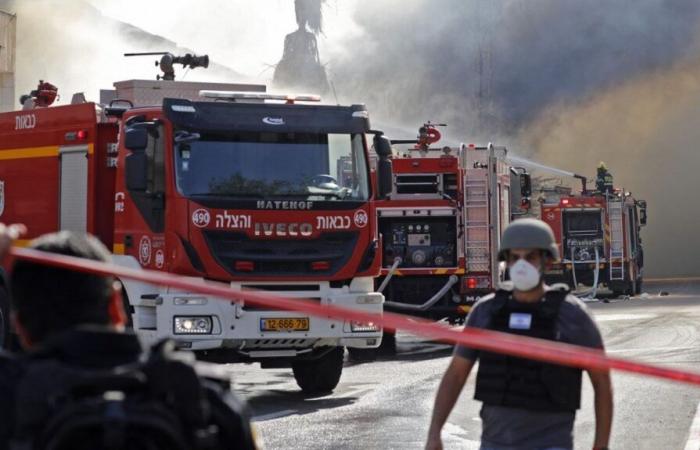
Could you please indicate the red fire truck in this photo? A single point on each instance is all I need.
(223, 186)
(599, 237)
(441, 225)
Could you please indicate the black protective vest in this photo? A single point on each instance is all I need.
(521, 383)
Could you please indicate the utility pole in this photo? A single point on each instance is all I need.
(8, 40)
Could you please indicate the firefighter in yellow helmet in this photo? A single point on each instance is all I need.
(604, 179)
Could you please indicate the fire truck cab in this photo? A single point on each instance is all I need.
(599, 237)
(221, 186)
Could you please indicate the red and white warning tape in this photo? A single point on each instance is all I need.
(531, 348)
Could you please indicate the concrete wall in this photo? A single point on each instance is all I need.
(8, 23)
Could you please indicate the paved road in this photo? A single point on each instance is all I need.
(387, 404)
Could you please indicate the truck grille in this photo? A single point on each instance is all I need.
(280, 256)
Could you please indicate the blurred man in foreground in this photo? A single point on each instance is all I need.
(86, 383)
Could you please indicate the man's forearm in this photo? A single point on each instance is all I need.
(603, 412)
(447, 395)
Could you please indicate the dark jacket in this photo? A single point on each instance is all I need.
(10, 372)
(86, 350)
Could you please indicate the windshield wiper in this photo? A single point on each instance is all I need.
(184, 137)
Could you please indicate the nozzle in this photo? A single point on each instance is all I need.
(168, 59)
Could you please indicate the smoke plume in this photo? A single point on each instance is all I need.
(647, 133)
(489, 67)
(569, 82)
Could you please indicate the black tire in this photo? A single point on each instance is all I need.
(5, 325)
(638, 286)
(320, 376)
(388, 345)
(361, 355)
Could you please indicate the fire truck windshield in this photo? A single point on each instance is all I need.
(261, 165)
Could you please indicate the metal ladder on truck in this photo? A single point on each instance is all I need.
(617, 240)
(476, 208)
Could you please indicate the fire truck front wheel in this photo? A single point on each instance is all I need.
(320, 376)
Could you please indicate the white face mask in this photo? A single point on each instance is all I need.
(524, 275)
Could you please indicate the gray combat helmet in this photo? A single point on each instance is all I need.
(528, 234)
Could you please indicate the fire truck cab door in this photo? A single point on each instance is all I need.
(74, 187)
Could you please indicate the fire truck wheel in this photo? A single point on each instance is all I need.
(626, 289)
(638, 286)
(4, 318)
(320, 376)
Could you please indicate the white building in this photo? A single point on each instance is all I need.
(8, 25)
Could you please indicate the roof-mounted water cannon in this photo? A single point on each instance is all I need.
(41, 97)
(428, 134)
(538, 166)
(167, 61)
(584, 182)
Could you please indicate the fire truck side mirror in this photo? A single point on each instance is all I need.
(382, 145)
(525, 185)
(642, 204)
(137, 171)
(136, 138)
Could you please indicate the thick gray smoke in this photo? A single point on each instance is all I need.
(490, 66)
(646, 131)
(567, 82)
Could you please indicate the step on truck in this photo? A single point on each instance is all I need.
(220, 183)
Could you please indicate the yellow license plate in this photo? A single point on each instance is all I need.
(285, 324)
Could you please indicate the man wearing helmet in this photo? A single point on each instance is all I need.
(604, 179)
(527, 404)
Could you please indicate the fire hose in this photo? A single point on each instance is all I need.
(590, 294)
(391, 273)
(480, 339)
(438, 295)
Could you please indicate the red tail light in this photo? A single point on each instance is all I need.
(244, 266)
(320, 265)
(471, 283)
